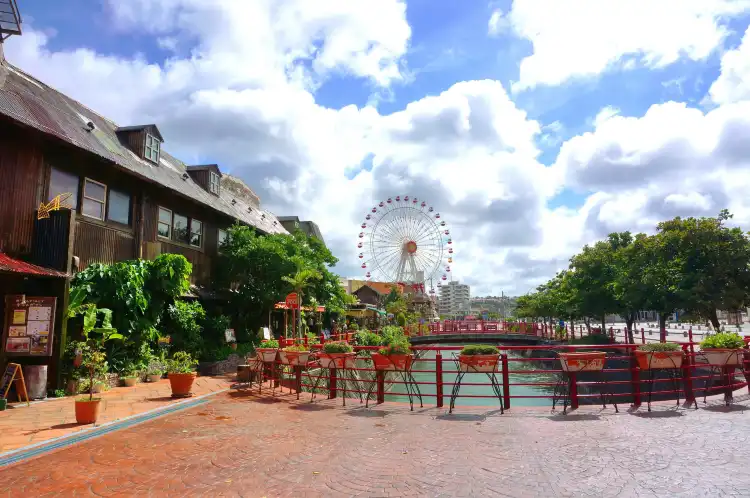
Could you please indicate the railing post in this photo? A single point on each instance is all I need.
(612, 334)
(690, 338)
(332, 383)
(506, 381)
(298, 378)
(687, 375)
(439, 379)
(322, 338)
(635, 379)
(380, 377)
(643, 336)
(573, 390)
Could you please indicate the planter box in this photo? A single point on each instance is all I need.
(652, 360)
(723, 357)
(268, 355)
(394, 362)
(336, 360)
(294, 358)
(481, 363)
(582, 362)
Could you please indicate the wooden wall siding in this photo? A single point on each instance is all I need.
(200, 177)
(99, 244)
(150, 220)
(51, 241)
(201, 261)
(136, 141)
(21, 171)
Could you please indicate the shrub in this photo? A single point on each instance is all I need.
(337, 347)
(312, 339)
(181, 363)
(219, 353)
(657, 347)
(297, 348)
(183, 325)
(270, 344)
(593, 339)
(723, 340)
(391, 334)
(476, 349)
(156, 367)
(367, 338)
(396, 348)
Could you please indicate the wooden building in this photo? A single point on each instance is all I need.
(128, 197)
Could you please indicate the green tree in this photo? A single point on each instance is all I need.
(300, 281)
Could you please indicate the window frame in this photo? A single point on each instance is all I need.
(149, 150)
(159, 222)
(191, 233)
(75, 198)
(102, 202)
(212, 175)
(187, 222)
(130, 207)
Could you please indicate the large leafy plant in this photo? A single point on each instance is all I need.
(181, 363)
(723, 340)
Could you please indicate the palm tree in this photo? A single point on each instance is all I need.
(300, 281)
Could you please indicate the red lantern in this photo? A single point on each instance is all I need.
(364, 225)
(437, 216)
(361, 255)
(414, 200)
(445, 277)
(364, 265)
(450, 241)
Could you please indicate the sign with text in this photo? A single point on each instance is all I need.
(292, 301)
(230, 336)
(29, 325)
(13, 373)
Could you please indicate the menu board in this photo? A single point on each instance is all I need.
(29, 325)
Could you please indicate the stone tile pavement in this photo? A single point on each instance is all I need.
(21, 425)
(242, 444)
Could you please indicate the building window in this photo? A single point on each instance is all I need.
(118, 208)
(196, 233)
(180, 228)
(94, 197)
(165, 223)
(62, 182)
(223, 235)
(213, 183)
(152, 148)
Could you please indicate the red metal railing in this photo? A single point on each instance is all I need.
(524, 377)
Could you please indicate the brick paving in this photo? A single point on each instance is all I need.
(241, 444)
(21, 425)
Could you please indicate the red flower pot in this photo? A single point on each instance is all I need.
(478, 363)
(87, 412)
(181, 383)
(582, 362)
(395, 362)
(651, 360)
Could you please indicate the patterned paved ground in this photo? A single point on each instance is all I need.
(242, 445)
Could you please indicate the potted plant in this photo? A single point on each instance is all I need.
(394, 356)
(95, 363)
(155, 370)
(336, 355)
(180, 373)
(723, 349)
(129, 375)
(582, 362)
(659, 355)
(478, 358)
(268, 349)
(295, 355)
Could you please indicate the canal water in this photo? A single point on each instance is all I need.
(427, 362)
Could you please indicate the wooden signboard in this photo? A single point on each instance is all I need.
(13, 373)
(29, 325)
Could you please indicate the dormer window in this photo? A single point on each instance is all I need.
(152, 148)
(213, 183)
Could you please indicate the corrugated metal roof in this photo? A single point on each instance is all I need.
(11, 265)
(28, 101)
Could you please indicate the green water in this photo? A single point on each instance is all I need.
(427, 362)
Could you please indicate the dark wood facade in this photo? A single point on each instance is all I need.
(27, 159)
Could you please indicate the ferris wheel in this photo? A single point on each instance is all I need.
(404, 240)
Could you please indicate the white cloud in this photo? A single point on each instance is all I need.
(734, 83)
(245, 97)
(583, 38)
(498, 23)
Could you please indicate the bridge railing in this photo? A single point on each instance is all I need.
(528, 376)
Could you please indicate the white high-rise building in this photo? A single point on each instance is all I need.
(455, 299)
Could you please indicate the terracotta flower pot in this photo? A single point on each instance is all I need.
(582, 362)
(87, 412)
(233, 345)
(181, 384)
(393, 362)
(129, 381)
(154, 377)
(722, 357)
(268, 355)
(651, 360)
(478, 363)
(336, 360)
(294, 358)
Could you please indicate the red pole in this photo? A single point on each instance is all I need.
(439, 379)
(332, 383)
(506, 381)
(643, 336)
(635, 380)
(687, 375)
(612, 334)
(690, 338)
(573, 390)
(380, 377)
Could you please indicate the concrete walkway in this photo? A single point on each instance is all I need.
(41, 421)
(240, 444)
